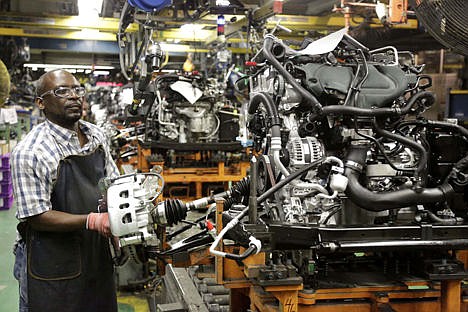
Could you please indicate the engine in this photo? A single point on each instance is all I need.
(344, 129)
(192, 109)
(346, 174)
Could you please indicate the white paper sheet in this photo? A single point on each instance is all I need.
(325, 44)
(8, 115)
(189, 92)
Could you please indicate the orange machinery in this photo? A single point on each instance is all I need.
(180, 181)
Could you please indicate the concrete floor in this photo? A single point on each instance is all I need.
(8, 284)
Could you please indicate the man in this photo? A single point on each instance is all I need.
(63, 261)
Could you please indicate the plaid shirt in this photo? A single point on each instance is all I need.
(35, 159)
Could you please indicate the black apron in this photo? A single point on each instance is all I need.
(72, 271)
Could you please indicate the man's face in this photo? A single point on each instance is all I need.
(64, 111)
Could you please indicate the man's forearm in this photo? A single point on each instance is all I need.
(57, 221)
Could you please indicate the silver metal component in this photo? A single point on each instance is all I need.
(304, 151)
(160, 214)
(380, 170)
(351, 133)
(354, 165)
(129, 204)
(179, 288)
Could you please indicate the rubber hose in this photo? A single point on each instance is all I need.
(372, 112)
(286, 180)
(307, 96)
(423, 157)
(381, 201)
(272, 111)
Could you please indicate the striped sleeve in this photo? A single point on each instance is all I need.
(31, 183)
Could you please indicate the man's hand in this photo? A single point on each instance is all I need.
(99, 222)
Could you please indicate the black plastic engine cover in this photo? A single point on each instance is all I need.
(383, 85)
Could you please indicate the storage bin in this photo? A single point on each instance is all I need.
(5, 176)
(5, 161)
(6, 202)
(6, 189)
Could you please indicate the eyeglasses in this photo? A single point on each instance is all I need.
(66, 92)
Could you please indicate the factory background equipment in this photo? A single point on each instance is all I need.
(193, 120)
(318, 168)
(445, 21)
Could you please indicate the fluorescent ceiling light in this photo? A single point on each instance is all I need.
(223, 2)
(89, 7)
(191, 27)
(70, 70)
(101, 73)
(62, 66)
(174, 47)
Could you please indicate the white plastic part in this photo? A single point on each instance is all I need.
(228, 226)
(255, 242)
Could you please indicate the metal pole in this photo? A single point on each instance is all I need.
(253, 214)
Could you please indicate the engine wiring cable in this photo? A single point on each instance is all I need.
(374, 112)
(358, 80)
(272, 111)
(423, 157)
(287, 180)
(125, 8)
(247, 77)
(381, 149)
(431, 123)
(334, 210)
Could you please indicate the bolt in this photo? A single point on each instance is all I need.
(280, 274)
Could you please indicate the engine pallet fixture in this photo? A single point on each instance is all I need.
(187, 180)
(353, 200)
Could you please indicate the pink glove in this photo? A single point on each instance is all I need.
(99, 222)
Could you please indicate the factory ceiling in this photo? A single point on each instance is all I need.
(56, 27)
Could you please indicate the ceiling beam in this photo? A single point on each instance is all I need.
(84, 34)
(330, 22)
(67, 23)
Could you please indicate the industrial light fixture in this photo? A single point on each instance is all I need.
(191, 28)
(87, 7)
(223, 3)
(35, 66)
(101, 73)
